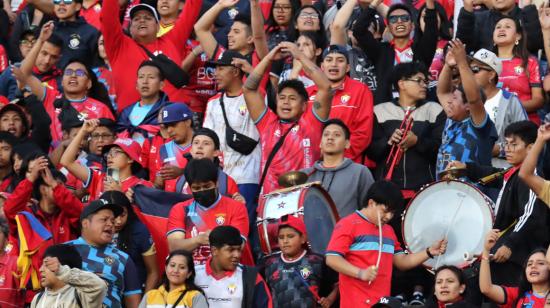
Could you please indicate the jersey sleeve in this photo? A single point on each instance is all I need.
(533, 73)
(510, 296)
(94, 183)
(131, 279)
(265, 121)
(239, 218)
(340, 240)
(397, 246)
(232, 187)
(176, 219)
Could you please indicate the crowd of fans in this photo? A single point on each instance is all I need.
(137, 139)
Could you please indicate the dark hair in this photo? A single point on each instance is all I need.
(205, 131)
(519, 50)
(190, 282)
(272, 24)
(406, 70)
(22, 114)
(524, 284)
(399, 6)
(27, 151)
(444, 27)
(56, 40)
(524, 130)
(98, 90)
(27, 32)
(8, 138)
(460, 89)
(456, 271)
(295, 84)
(313, 36)
(294, 33)
(201, 170)
(66, 254)
(244, 19)
(225, 235)
(124, 241)
(56, 174)
(108, 123)
(338, 122)
(153, 64)
(386, 193)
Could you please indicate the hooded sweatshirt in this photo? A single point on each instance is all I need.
(347, 184)
(87, 286)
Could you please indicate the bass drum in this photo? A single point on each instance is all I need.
(309, 202)
(452, 209)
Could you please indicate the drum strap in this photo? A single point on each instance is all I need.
(274, 151)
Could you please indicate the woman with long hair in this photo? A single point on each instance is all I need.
(279, 21)
(520, 71)
(177, 287)
(449, 288)
(308, 18)
(534, 284)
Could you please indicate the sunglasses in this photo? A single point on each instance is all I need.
(77, 72)
(477, 69)
(64, 1)
(396, 18)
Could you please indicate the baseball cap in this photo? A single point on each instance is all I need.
(488, 58)
(116, 197)
(293, 222)
(388, 301)
(226, 58)
(336, 49)
(98, 205)
(129, 146)
(175, 112)
(144, 7)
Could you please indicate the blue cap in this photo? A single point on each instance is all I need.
(175, 112)
(341, 49)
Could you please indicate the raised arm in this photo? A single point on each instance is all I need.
(408, 261)
(471, 89)
(69, 158)
(184, 25)
(493, 292)
(203, 25)
(445, 83)
(527, 171)
(323, 99)
(257, 21)
(338, 35)
(544, 19)
(46, 6)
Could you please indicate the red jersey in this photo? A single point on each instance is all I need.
(515, 79)
(96, 179)
(356, 239)
(353, 103)
(92, 14)
(299, 150)
(529, 299)
(437, 63)
(201, 85)
(4, 63)
(125, 54)
(192, 219)
(9, 284)
(89, 108)
(172, 153)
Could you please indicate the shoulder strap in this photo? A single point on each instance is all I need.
(77, 298)
(150, 54)
(223, 110)
(222, 182)
(180, 298)
(273, 152)
(39, 296)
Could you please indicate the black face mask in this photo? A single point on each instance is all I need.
(206, 197)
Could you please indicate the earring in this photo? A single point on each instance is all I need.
(517, 42)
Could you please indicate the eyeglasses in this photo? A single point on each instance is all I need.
(282, 7)
(27, 42)
(78, 72)
(310, 15)
(64, 1)
(113, 153)
(477, 69)
(101, 136)
(420, 81)
(396, 18)
(511, 146)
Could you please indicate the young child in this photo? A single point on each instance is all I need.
(296, 276)
(65, 283)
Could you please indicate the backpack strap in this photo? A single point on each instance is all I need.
(77, 298)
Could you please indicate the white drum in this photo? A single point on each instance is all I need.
(452, 209)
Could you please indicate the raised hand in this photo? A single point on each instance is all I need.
(46, 31)
(368, 274)
(439, 247)
(544, 18)
(458, 50)
(491, 239)
(48, 178)
(52, 264)
(228, 3)
(544, 132)
(35, 167)
(243, 64)
(90, 125)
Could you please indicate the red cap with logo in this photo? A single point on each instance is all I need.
(293, 222)
(129, 146)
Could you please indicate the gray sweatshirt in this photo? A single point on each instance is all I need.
(347, 184)
(90, 288)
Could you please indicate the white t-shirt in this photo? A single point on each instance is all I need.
(491, 105)
(244, 169)
(285, 75)
(226, 292)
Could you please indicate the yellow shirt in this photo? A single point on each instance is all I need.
(163, 29)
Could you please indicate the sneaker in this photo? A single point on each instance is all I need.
(417, 299)
(402, 299)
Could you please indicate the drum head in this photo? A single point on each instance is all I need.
(448, 208)
(320, 216)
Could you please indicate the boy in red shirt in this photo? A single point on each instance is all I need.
(354, 245)
(191, 221)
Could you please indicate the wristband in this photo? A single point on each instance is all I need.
(359, 274)
(429, 253)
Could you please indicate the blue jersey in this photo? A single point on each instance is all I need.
(112, 265)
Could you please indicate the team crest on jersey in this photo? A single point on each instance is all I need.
(242, 110)
(344, 99)
(518, 70)
(296, 128)
(232, 13)
(109, 260)
(61, 230)
(232, 288)
(2, 280)
(305, 272)
(277, 133)
(74, 42)
(220, 219)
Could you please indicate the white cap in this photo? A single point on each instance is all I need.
(489, 58)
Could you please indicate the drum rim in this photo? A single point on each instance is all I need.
(489, 203)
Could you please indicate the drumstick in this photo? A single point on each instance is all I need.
(449, 228)
(470, 257)
(379, 241)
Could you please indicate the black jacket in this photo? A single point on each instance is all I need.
(476, 29)
(417, 165)
(22, 23)
(382, 54)
(520, 212)
(79, 41)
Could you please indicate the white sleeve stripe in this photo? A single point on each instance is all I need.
(527, 211)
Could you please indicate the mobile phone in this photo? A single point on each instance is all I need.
(114, 174)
